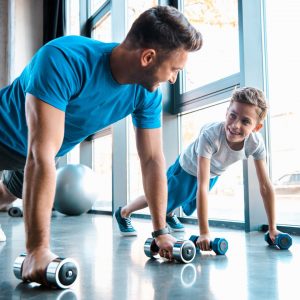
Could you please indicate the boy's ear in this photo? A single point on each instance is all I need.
(258, 127)
(148, 57)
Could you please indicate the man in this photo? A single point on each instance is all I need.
(73, 87)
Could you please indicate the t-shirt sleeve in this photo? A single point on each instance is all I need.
(260, 151)
(147, 113)
(51, 77)
(205, 146)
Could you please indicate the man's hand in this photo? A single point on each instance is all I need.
(203, 242)
(35, 265)
(165, 243)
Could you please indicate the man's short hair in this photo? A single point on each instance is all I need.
(165, 29)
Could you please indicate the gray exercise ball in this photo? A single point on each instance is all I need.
(76, 189)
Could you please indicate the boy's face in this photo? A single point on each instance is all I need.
(241, 120)
(163, 71)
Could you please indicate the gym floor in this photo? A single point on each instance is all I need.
(114, 267)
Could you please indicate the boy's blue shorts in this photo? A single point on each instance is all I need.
(182, 189)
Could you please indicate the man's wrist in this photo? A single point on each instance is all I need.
(159, 232)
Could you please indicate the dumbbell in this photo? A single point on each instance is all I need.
(60, 273)
(283, 240)
(15, 211)
(183, 251)
(218, 245)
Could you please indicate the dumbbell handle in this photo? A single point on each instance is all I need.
(61, 272)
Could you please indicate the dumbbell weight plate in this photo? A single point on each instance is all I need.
(17, 268)
(184, 251)
(268, 239)
(15, 212)
(62, 272)
(150, 247)
(219, 245)
(284, 241)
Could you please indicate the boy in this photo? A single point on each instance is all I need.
(197, 169)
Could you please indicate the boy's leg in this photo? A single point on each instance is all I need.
(138, 204)
(122, 215)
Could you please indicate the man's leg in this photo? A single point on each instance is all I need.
(6, 198)
(11, 186)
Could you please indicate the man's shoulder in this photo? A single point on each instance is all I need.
(81, 44)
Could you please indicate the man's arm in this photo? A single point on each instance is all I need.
(268, 195)
(45, 134)
(203, 177)
(149, 146)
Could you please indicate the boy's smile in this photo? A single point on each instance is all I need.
(241, 120)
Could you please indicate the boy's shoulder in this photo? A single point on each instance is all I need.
(212, 129)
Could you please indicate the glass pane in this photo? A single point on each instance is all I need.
(95, 4)
(136, 7)
(102, 30)
(217, 20)
(226, 197)
(72, 15)
(135, 174)
(73, 156)
(102, 165)
(283, 20)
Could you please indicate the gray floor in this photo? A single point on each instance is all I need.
(113, 267)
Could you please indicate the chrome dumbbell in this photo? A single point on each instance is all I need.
(61, 273)
(183, 251)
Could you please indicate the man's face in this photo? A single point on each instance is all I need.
(166, 69)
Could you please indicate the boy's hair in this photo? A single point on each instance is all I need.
(165, 29)
(252, 96)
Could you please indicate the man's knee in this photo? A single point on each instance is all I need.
(6, 197)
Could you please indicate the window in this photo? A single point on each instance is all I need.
(95, 5)
(226, 199)
(102, 165)
(72, 17)
(217, 20)
(134, 9)
(283, 20)
(102, 30)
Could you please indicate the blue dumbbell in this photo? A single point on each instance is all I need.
(218, 245)
(283, 240)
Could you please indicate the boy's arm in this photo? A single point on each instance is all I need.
(203, 177)
(268, 195)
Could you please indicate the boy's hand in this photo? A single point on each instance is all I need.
(273, 233)
(203, 242)
(165, 243)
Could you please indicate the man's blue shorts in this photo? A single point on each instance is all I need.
(182, 189)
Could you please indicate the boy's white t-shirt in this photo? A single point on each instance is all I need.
(212, 144)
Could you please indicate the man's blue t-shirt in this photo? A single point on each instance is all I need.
(73, 74)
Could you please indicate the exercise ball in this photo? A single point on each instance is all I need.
(76, 189)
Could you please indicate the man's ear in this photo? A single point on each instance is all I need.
(148, 57)
(258, 127)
